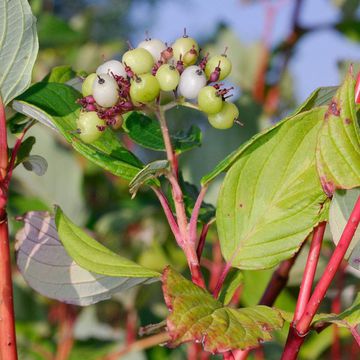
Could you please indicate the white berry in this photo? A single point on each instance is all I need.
(112, 66)
(105, 90)
(154, 46)
(192, 80)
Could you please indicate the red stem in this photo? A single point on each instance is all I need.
(3, 142)
(195, 215)
(297, 335)
(7, 319)
(221, 280)
(356, 335)
(169, 215)
(278, 281)
(310, 270)
(202, 238)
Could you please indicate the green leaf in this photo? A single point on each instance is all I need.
(350, 28)
(341, 207)
(18, 47)
(319, 97)
(271, 197)
(25, 149)
(197, 316)
(55, 105)
(60, 74)
(17, 123)
(146, 132)
(151, 171)
(233, 280)
(92, 256)
(187, 140)
(338, 149)
(350, 318)
(191, 192)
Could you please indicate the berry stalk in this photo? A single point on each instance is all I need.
(7, 319)
(188, 247)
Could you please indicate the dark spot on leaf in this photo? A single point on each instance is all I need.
(328, 186)
(356, 261)
(241, 205)
(335, 110)
(348, 121)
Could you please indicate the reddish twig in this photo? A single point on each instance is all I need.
(278, 281)
(139, 345)
(310, 270)
(66, 317)
(169, 215)
(202, 238)
(221, 280)
(7, 320)
(297, 334)
(195, 216)
(356, 335)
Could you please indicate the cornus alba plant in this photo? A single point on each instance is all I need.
(281, 189)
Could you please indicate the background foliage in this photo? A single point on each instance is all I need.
(82, 34)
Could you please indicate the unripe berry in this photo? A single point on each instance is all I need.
(88, 123)
(105, 91)
(168, 77)
(225, 118)
(144, 88)
(87, 85)
(182, 46)
(213, 64)
(112, 67)
(139, 60)
(154, 46)
(209, 100)
(192, 80)
(190, 57)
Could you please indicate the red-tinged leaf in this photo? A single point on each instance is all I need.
(197, 316)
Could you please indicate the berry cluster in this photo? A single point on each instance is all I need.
(118, 87)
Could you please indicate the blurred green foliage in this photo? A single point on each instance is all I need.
(82, 34)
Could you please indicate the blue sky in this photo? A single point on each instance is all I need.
(314, 63)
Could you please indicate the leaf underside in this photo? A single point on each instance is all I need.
(55, 105)
(341, 207)
(338, 149)
(18, 47)
(47, 267)
(197, 316)
(271, 197)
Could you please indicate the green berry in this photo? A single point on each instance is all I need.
(225, 118)
(144, 88)
(182, 46)
(225, 66)
(139, 60)
(87, 85)
(209, 101)
(168, 77)
(88, 123)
